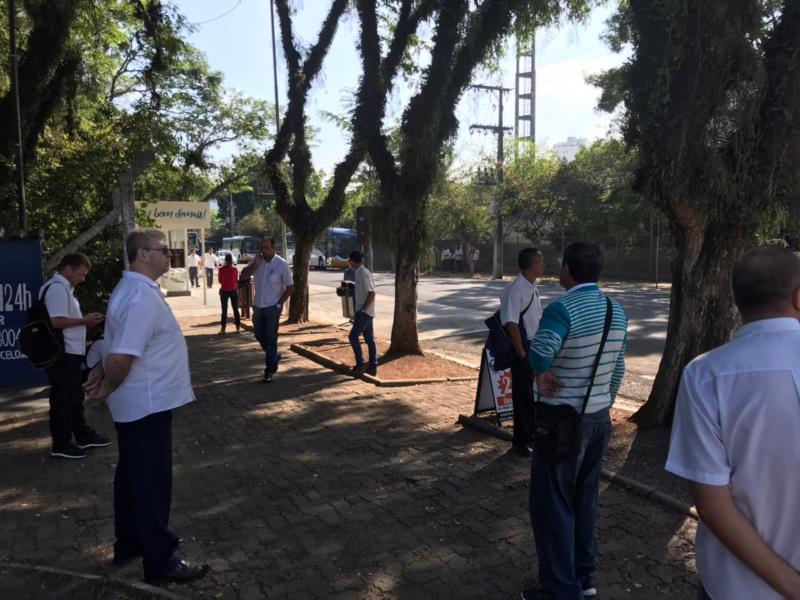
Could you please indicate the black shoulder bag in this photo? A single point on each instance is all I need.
(557, 427)
(38, 339)
(498, 342)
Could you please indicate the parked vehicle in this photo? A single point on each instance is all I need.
(222, 253)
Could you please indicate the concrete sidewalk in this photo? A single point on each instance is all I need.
(321, 486)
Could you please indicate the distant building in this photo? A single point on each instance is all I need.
(567, 150)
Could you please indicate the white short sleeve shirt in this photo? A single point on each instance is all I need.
(61, 302)
(193, 260)
(139, 323)
(364, 285)
(210, 260)
(515, 297)
(736, 423)
(271, 280)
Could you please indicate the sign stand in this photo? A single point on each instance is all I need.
(494, 390)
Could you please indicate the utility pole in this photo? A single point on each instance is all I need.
(277, 109)
(20, 166)
(499, 131)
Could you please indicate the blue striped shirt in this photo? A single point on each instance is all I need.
(566, 344)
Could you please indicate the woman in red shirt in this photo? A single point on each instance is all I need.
(228, 277)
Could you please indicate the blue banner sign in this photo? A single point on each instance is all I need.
(20, 280)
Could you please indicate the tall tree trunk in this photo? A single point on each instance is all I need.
(405, 339)
(702, 313)
(468, 259)
(298, 304)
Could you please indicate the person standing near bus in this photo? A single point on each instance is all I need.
(274, 284)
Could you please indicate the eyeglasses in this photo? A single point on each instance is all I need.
(164, 251)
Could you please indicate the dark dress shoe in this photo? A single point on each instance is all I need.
(183, 572)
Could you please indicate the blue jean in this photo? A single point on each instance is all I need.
(265, 326)
(362, 325)
(563, 503)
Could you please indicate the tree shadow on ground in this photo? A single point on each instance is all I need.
(316, 486)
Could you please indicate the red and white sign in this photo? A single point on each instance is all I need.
(494, 390)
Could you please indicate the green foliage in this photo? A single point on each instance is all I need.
(590, 197)
(460, 210)
(136, 86)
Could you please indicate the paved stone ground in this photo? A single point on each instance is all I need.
(320, 486)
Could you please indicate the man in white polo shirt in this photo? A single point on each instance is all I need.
(144, 375)
(736, 438)
(274, 284)
(65, 376)
(520, 312)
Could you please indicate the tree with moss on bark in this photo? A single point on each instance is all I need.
(290, 179)
(711, 101)
(465, 35)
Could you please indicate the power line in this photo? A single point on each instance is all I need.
(218, 17)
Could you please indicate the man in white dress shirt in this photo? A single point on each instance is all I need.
(145, 376)
(274, 284)
(520, 311)
(365, 314)
(193, 261)
(735, 438)
(210, 262)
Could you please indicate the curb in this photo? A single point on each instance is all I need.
(137, 585)
(641, 489)
(345, 370)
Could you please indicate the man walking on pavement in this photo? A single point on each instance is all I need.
(67, 418)
(145, 376)
(578, 356)
(734, 438)
(365, 313)
(520, 311)
(210, 261)
(193, 261)
(274, 284)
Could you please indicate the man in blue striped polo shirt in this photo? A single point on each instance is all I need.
(563, 495)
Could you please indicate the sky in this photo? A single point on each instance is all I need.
(235, 37)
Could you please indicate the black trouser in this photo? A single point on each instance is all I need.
(143, 493)
(209, 277)
(66, 401)
(522, 396)
(234, 298)
(193, 280)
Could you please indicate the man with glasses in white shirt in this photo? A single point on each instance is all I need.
(145, 376)
(735, 438)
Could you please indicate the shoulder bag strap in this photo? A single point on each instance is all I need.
(522, 314)
(606, 328)
(44, 291)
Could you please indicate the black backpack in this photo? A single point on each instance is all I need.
(38, 340)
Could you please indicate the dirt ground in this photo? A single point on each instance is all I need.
(390, 368)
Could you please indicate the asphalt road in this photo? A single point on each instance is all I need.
(451, 312)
